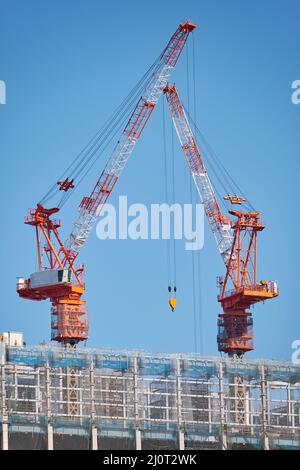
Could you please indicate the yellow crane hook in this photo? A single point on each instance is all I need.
(172, 300)
(172, 303)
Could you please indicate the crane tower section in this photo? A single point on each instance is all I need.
(69, 322)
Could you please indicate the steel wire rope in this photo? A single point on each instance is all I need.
(173, 201)
(118, 126)
(141, 85)
(130, 99)
(199, 272)
(67, 195)
(191, 199)
(91, 154)
(126, 112)
(166, 189)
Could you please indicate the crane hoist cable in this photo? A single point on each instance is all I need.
(172, 288)
(195, 322)
(198, 253)
(173, 199)
(173, 294)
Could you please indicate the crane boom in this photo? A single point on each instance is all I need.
(219, 223)
(91, 206)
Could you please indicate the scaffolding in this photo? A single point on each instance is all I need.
(53, 397)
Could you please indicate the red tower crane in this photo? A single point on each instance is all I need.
(236, 240)
(59, 279)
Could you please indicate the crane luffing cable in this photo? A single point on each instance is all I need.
(223, 176)
(116, 130)
(103, 136)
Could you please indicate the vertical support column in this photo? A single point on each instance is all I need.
(138, 436)
(223, 435)
(94, 429)
(264, 408)
(4, 411)
(37, 391)
(94, 438)
(167, 403)
(268, 400)
(48, 407)
(209, 410)
(291, 416)
(15, 375)
(179, 405)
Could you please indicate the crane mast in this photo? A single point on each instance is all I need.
(60, 280)
(236, 241)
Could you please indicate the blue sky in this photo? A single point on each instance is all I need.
(67, 65)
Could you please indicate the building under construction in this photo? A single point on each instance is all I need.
(55, 397)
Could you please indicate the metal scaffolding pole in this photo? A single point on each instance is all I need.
(138, 437)
(264, 408)
(179, 405)
(291, 416)
(48, 407)
(4, 411)
(223, 435)
(94, 428)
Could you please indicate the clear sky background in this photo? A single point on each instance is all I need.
(67, 65)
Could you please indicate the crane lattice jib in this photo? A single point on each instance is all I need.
(91, 206)
(219, 223)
